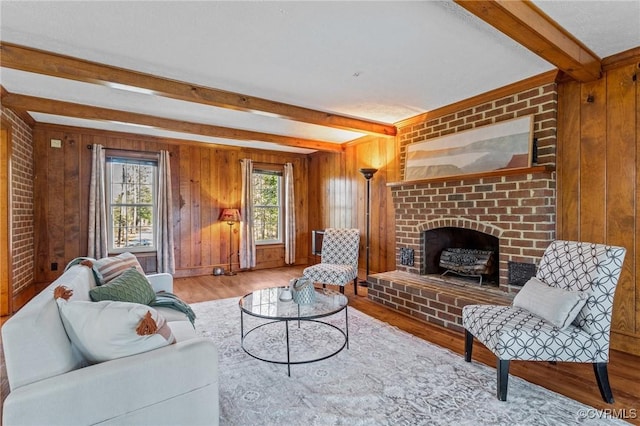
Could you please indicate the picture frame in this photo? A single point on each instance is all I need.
(503, 145)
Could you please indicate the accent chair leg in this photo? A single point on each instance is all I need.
(355, 286)
(468, 345)
(602, 377)
(503, 379)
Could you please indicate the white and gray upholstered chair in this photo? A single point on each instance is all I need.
(562, 314)
(339, 259)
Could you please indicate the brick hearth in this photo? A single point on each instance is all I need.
(430, 299)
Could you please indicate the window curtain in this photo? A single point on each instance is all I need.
(247, 239)
(164, 225)
(289, 216)
(97, 244)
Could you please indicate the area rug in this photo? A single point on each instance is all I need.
(385, 377)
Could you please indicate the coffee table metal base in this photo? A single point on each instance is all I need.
(288, 362)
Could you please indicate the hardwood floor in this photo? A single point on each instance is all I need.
(576, 381)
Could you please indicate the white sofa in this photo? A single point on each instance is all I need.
(51, 383)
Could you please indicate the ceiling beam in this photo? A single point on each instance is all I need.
(68, 109)
(525, 23)
(24, 115)
(52, 64)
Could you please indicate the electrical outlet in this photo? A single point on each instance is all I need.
(56, 143)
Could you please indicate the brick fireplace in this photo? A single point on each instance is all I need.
(514, 207)
(519, 210)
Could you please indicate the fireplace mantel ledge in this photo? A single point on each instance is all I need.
(502, 172)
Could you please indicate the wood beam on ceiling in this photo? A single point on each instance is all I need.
(47, 63)
(24, 115)
(525, 23)
(68, 109)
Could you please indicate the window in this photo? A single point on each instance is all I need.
(131, 195)
(267, 206)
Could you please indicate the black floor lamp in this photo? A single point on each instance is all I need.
(368, 174)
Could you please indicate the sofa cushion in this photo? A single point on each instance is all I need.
(559, 307)
(182, 330)
(171, 315)
(130, 286)
(108, 268)
(108, 329)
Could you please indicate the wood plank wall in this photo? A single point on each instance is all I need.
(338, 196)
(205, 179)
(599, 180)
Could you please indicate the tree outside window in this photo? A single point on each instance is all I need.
(267, 209)
(131, 193)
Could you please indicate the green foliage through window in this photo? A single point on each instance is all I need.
(131, 189)
(267, 214)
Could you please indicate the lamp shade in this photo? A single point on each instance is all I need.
(230, 215)
(368, 173)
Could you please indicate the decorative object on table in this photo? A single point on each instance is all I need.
(368, 174)
(302, 291)
(504, 145)
(285, 294)
(230, 216)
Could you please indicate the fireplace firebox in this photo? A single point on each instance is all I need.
(465, 252)
(467, 262)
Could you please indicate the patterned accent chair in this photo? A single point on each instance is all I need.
(339, 264)
(514, 333)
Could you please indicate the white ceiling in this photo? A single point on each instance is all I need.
(382, 61)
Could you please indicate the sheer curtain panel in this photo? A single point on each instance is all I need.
(97, 241)
(165, 255)
(247, 239)
(289, 216)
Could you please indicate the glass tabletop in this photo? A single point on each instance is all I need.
(266, 303)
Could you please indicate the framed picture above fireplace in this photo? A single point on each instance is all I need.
(504, 145)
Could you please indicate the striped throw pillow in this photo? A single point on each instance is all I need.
(109, 268)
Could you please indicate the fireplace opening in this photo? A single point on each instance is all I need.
(469, 254)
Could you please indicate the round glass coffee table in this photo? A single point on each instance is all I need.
(266, 305)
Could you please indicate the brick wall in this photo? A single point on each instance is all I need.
(518, 209)
(541, 102)
(22, 201)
